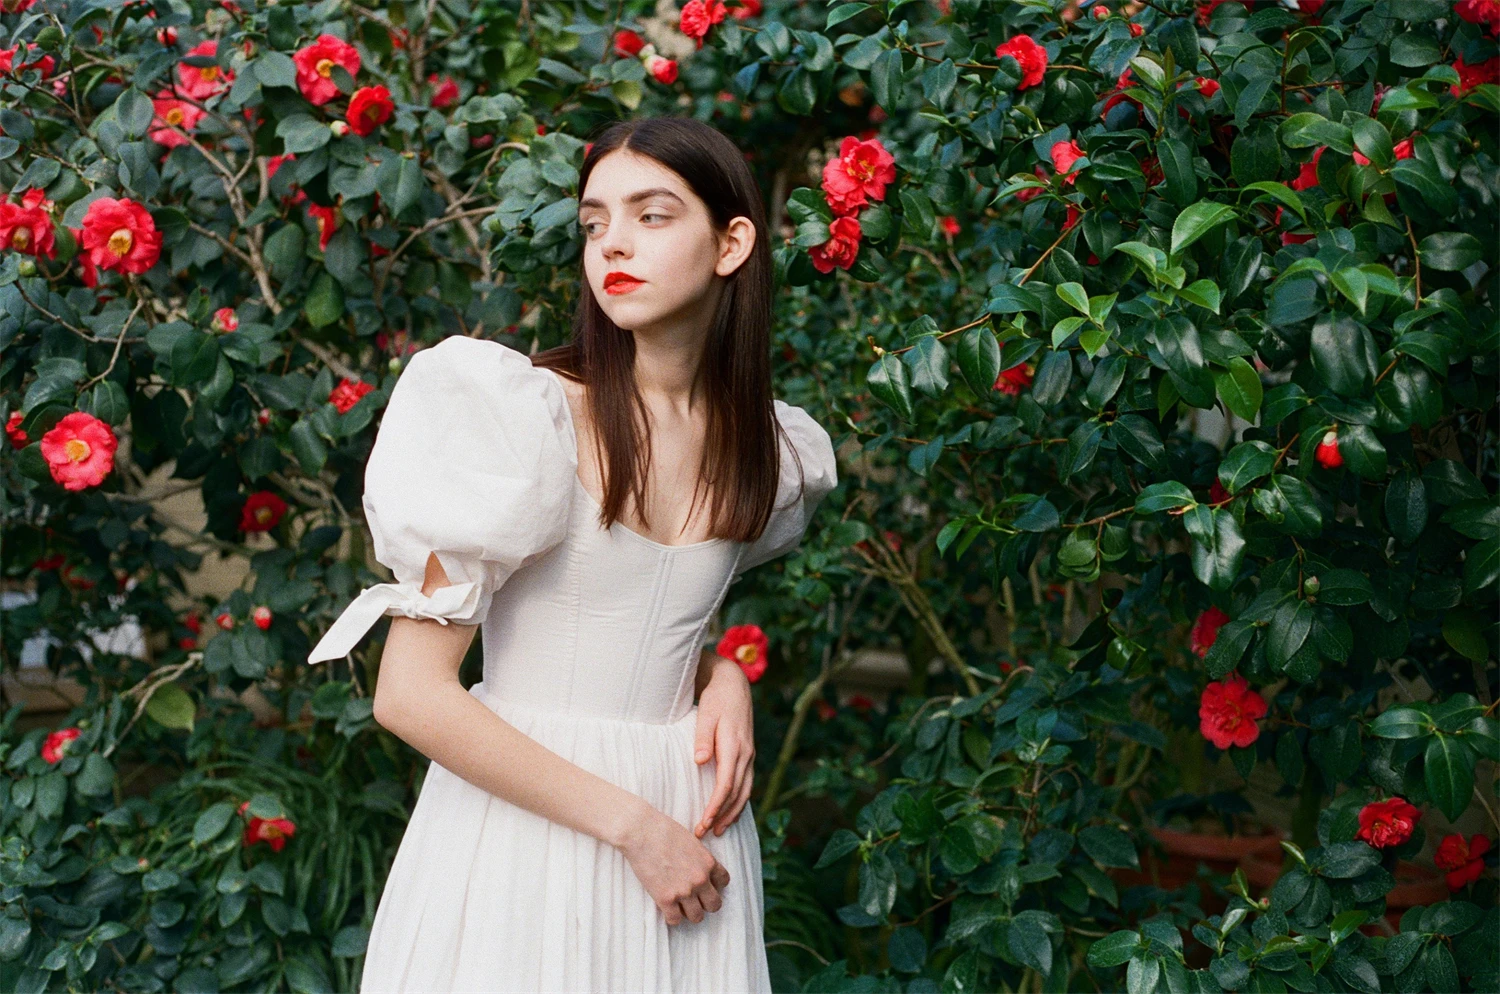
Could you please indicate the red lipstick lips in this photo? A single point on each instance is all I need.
(618, 282)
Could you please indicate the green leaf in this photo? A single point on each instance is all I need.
(1464, 630)
(1406, 506)
(888, 382)
(1343, 588)
(1204, 293)
(1352, 284)
(325, 301)
(979, 359)
(1196, 221)
(302, 133)
(1109, 846)
(1074, 295)
(1401, 723)
(1228, 648)
(212, 822)
(1448, 769)
(1177, 170)
(1239, 387)
(927, 361)
(1218, 545)
(1344, 354)
(1307, 130)
(1114, 949)
(1450, 251)
(1039, 516)
(171, 706)
(1372, 139)
(1166, 496)
(1245, 463)
(1289, 628)
(134, 111)
(1053, 374)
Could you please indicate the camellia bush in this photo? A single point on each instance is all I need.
(1159, 341)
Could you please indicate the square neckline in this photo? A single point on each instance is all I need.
(598, 508)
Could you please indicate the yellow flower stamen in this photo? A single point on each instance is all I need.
(745, 653)
(20, 239)
(325, 68)
(120, 241)
(174, 116)
(77, 449)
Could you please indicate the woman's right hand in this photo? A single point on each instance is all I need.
(677, 870)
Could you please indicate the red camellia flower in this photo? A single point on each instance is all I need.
(225, 621)
(347, 393)
(172, 113)
(18, 438)
(1071, 218)
(1387, 823)
(274, 163)
(120, 234)
(627, 43)
(1307, 173)
(858, 175)
(1206, 11)
(825, 710)
(1013, 380)
(1032, 191)
(1291, 237)
(1064, 154)
(326, 220)
(950, 225)
(1327, 453)
(262, 512)
(746, 10)
(1228, 712)
(1206, 631)
(225, 319)
(860, 702)
(1472, 76)
(55, 746)
(1464, 861)
(1480, 12)
(272, 831)
(315, 67)
(700, 15)
(369, 108)
(841, 248)
(1207, 87)
(27, 229)
(1218, 495)
(80, 451)
(262, 617)
(663, 70)
(444, 92)
(202, 82)
(1310, 7)
(1029, 55)
(1117, 95)
(747, 645)
(1136, 30)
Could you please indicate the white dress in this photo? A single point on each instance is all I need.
(591, 641)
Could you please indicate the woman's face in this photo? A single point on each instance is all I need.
(640, 219)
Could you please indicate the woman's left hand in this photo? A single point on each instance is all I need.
(726, 733)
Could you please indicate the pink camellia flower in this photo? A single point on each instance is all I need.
(1307, 173)
(202, 82)
(347, 393)
(1206, 631)
(225, 320)
(1469, 76)
(747, 645)
(858, 175)
(841, 248)
(315, 64)
(1013, 380)
(263, 511)
(444, 92)
(1071, 219)
(326, 219)
(698, 16)
(28, 230)
(1229, 713)
(55, 745)
(369, 108)
(1387, 823)
(80, 451)
(1480, 12)
(14, 432)
(1464, 861)
(172, 113)
(627, 43)
(1031, 57)
(1064, 154)
(262, 617)
(1327, 453)
(120, 234)
(663, 70)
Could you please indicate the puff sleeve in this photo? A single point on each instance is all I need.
(474, 461)
(793, 510)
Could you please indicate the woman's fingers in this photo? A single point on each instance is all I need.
(741, 798)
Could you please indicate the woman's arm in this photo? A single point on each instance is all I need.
(419, 698)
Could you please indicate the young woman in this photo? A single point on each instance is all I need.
(579, 827)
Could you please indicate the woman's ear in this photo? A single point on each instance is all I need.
(735, 245)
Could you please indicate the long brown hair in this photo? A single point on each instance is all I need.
(741, 459)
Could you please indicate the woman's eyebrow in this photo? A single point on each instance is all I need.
(634, 198)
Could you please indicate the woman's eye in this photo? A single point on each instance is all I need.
(662, 216)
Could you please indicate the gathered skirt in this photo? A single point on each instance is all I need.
(484, 895)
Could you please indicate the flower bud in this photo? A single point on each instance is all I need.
(26, 267)
(1311, 586)
(339, 128)
(1101, 12)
